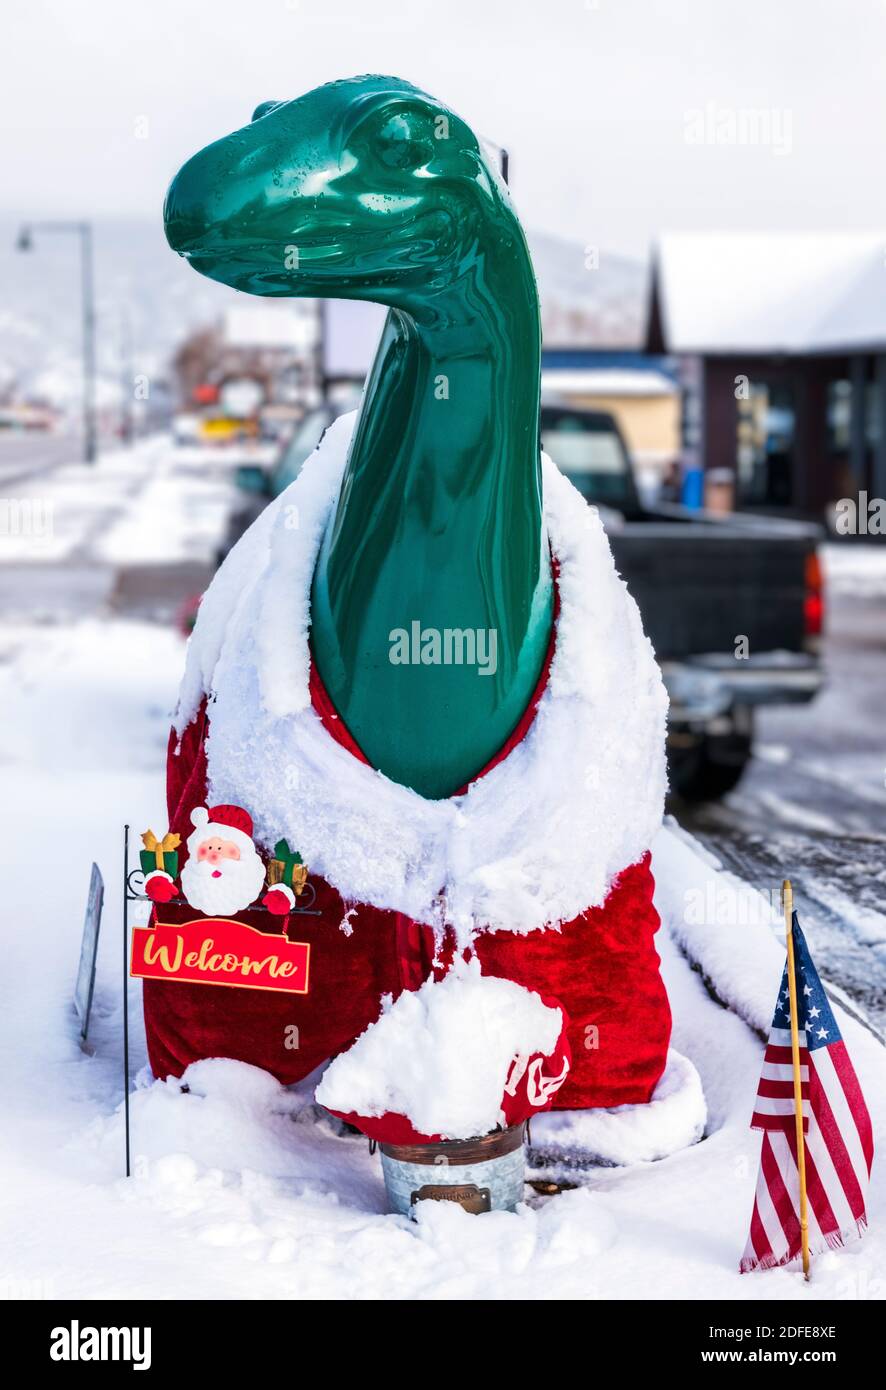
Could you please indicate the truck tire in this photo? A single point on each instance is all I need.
(713, 764)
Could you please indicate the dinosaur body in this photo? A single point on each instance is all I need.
(370, 189)
(405, 624)
(553, 833)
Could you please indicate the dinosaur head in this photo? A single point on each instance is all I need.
(362, 188)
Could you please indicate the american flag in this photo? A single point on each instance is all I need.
(836, 1126)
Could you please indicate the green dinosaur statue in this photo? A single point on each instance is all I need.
(432, 597)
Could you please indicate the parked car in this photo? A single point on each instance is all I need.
(257, 485)
(733, 604)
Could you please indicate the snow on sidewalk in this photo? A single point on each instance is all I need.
(242, 1188)
(66, 534)
(180, 514)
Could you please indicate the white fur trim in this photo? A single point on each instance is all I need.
(536, 841)
(158, 873)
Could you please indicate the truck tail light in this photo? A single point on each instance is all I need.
(813, 604)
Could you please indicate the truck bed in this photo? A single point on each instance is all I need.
(703, 582)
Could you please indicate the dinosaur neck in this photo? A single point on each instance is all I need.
(432, 597)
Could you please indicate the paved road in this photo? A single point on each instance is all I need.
(24, 456)
(812, 807)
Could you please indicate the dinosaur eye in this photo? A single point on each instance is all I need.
(264, 109)
(401, 146)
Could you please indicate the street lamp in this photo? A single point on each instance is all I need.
(25, 242)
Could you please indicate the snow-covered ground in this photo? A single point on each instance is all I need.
(243, 1189)
(68, 532)
(855, 569)
(812, 804)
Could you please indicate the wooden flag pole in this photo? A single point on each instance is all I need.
(788, 899)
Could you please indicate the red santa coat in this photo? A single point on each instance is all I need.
(544, 855)
(602, 966)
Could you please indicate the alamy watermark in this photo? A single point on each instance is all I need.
(713, 904)
(865, 516)
(743, 127)
(79, 1343)
(448, 646)
(28, 517)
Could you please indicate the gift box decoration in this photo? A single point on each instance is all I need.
(160, 854)
(287, 867)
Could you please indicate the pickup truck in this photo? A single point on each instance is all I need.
(732, 604)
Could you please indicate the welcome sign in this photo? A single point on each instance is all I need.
(220, 951)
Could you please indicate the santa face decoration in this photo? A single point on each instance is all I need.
(224, 873)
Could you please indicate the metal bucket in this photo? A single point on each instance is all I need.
(478, 1174)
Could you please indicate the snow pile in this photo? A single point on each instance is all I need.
(537, 840)
(242, 1189)
(704, 907)
(220, 1113)
(441, 1055)
(248, 1186)
(673, 1119)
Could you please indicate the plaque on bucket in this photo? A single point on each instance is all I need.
(466, 1194)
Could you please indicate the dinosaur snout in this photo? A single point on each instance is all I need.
(345, 191)
(185, 213)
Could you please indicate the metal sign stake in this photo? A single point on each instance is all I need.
(126, 992)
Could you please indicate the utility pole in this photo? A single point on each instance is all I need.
(127, 378)
(320, 352)
(83, 230)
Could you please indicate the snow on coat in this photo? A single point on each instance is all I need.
(456, 1058)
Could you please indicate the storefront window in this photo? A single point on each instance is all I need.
(839, 414)
(766, 426)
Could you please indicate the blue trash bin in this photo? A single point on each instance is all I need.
(693, 489)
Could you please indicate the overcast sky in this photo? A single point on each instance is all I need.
(624, 117)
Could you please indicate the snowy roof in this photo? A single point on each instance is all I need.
(768, 293)
(607, 381)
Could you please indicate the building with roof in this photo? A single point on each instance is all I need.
(642, 393)
(781, 341)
